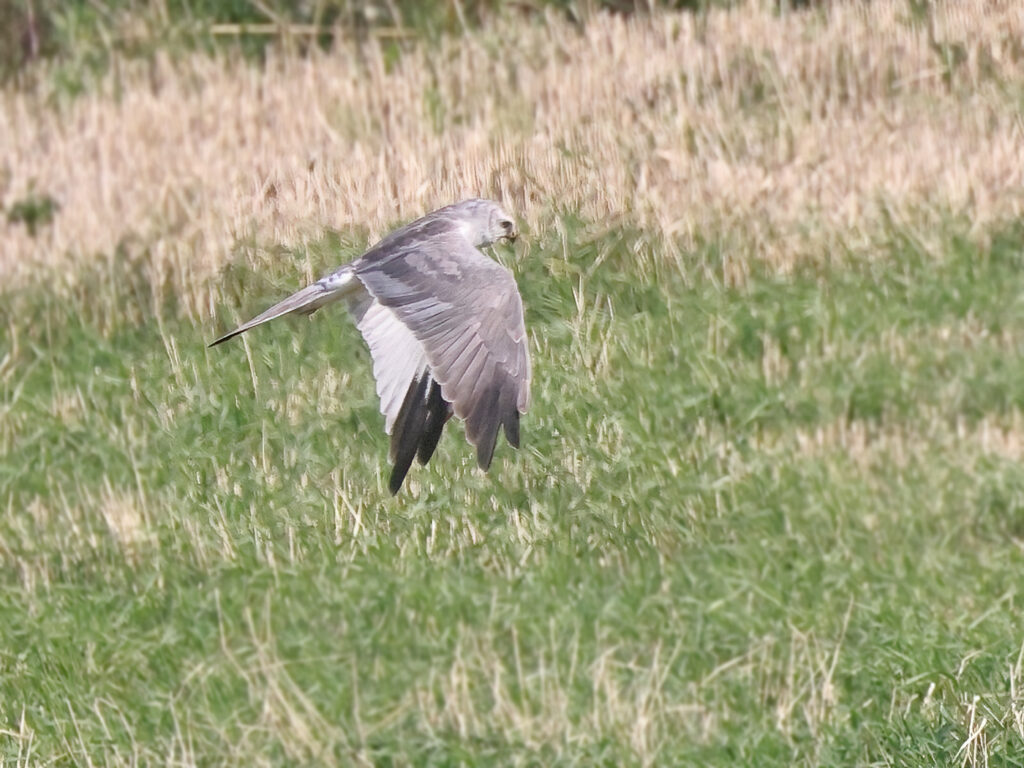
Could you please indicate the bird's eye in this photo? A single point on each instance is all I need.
(506, 225)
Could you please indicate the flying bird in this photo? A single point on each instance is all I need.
(444, 324)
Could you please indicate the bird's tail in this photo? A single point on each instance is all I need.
(327, 290)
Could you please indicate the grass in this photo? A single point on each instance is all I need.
(774, 523)
(782, 135)
(769, 508)
(84, 36)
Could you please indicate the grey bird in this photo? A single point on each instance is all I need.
(444, 324)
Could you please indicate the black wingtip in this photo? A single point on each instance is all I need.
(395, 483)
(439, 411)
(407, 431)
(222, 339)
(511, 426)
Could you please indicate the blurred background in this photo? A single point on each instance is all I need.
(769, 507)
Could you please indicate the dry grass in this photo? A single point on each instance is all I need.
(771, 524)
(484, 691)
(787, 133)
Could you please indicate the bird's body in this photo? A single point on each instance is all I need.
(444, 324)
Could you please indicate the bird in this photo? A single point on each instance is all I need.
(445, 329)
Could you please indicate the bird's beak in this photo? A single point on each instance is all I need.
(513, 234)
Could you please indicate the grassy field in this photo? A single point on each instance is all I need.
(769, 508)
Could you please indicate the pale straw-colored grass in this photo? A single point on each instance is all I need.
(786, 133)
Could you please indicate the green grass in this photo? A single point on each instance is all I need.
(86, 36)
(773, 523)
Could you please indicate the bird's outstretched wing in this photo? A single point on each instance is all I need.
(340, 284)
(465, 311)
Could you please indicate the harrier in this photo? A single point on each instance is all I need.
(444, 324)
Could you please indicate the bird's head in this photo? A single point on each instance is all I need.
(502, 226)
(488, 222)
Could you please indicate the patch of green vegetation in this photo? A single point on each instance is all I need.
(34, 211)
(82, 34)
(772, 523)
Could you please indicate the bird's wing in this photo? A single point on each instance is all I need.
(338, 285)
(398, 357)
(465, 311)
(414, 411)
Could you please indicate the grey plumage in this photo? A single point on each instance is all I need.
(444, 324)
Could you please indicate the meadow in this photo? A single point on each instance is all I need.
(769, 508)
